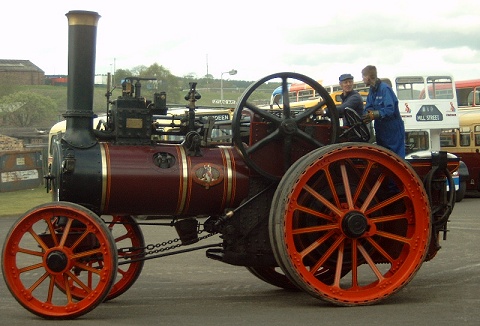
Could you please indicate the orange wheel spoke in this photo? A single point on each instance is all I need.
(339, 267)
(52, 231)
(86, 253)
(370, 262)
(30, 268)
(30, 252)
(380, 250)
(372, 193)
(315, 244)
(38, 282)
(346, 186)
(312, 212)
(38, 239)
(322, 200)
(362, 183)
(354, 263)
(327, 254)
(66, 232)
(394, 237)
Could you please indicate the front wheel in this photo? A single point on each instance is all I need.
(50, 248)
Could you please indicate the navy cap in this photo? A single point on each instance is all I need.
(344, 77)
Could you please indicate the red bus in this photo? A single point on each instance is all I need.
(468, 94)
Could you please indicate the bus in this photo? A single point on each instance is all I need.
(468, 94)
(465, 143)
(428, 106)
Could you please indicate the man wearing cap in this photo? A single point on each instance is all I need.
(350, 97)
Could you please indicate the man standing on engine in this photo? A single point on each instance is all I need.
(382, 106)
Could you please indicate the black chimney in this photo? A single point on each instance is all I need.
(82, 34)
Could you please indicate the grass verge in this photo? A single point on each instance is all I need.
(15, 203)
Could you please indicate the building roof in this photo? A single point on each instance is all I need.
(9, 65)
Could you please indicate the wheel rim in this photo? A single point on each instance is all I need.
(333, 212)
(126, 234)
(50, 244)
(284, 134)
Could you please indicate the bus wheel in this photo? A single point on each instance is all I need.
(355, 210)
(54, 243)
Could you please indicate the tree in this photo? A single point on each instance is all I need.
(26, 109)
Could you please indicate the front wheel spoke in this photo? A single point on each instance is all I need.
(38, 239)
(30, 268)
(66, 231)
(38, 282)
(30, 252)
(51, 286)
(370, 262)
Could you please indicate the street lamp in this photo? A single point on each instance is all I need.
(231, 73)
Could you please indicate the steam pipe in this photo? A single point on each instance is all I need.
(82, 33)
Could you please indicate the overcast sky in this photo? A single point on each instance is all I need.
(321, 39)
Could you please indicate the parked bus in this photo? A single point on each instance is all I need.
(465, 143)
(428, 106)
(468, 94)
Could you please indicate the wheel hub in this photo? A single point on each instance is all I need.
(354, 224)
(57, 261)
(289, 126)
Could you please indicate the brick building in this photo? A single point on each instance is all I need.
(20, 72)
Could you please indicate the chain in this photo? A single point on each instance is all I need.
(152, 249)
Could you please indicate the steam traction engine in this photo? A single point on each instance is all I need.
(293, 199)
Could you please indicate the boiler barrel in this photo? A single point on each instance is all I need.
(157, 180)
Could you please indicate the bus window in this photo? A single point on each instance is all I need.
(440, 88)
(464, 136)
(448, 138)
(477, 135)
(416, 141)
(472, 101)
(468, 93)
(410, 88)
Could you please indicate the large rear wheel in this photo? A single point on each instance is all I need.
(51, 245)
(356, 211)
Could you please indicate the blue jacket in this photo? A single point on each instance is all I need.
(389, 128)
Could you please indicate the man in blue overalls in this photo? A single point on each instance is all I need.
(382, 106)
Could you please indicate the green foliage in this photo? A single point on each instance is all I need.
(26, 109)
